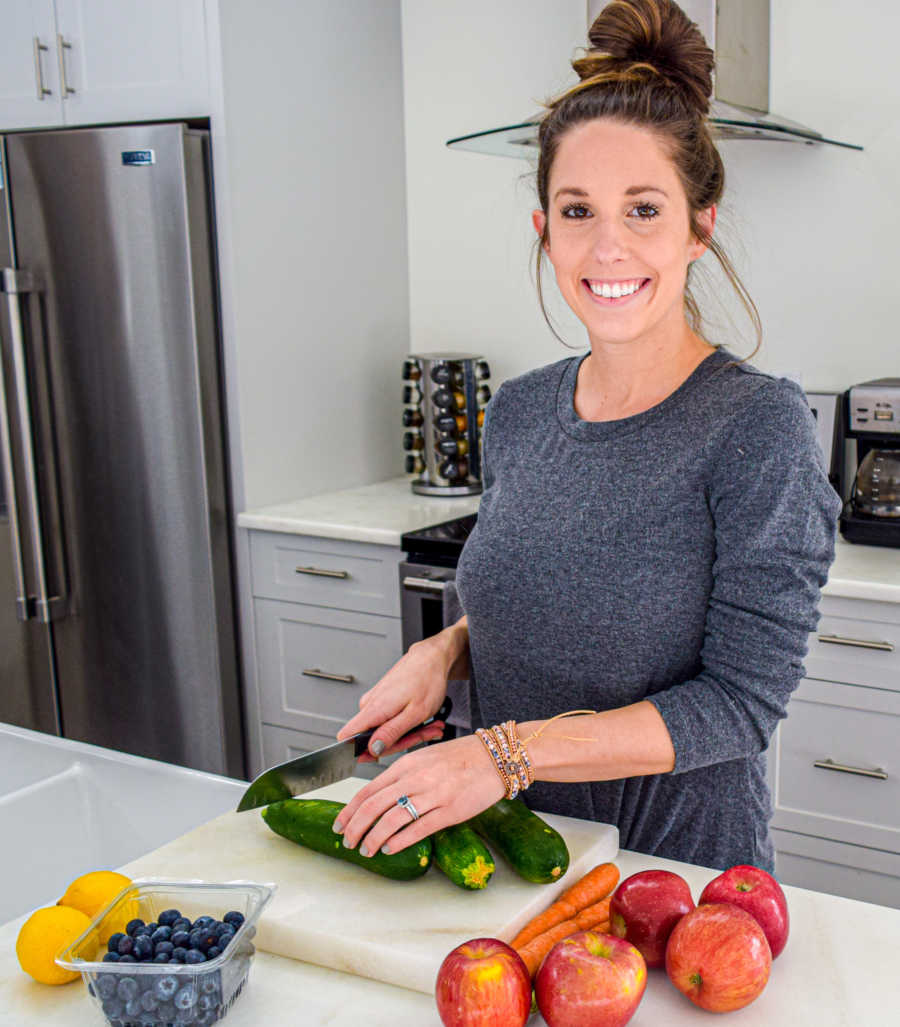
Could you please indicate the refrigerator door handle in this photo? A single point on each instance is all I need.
(14, 284)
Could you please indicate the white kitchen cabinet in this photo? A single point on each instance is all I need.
(100, 62)
(833, 763)
(29, 71)
(326, 619)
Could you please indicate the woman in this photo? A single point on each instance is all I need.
(656, 522)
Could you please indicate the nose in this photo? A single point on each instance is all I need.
(608, 240)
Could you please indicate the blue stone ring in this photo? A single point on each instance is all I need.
(404, 803)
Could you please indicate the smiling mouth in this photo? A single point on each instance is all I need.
(614, 293)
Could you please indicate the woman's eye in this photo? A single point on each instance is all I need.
(645, 211)
(575, 211)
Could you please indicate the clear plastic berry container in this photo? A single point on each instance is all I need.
(154, 994)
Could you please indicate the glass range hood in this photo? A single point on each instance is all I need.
(728, 122)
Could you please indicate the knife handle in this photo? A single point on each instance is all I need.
(361, 741)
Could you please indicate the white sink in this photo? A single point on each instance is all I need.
(67, 807)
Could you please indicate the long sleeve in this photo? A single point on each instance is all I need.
(775, 517)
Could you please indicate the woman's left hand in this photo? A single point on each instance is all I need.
(446, 783)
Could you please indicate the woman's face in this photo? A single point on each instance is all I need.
(619, 235)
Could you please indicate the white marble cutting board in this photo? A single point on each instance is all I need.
(342, 916)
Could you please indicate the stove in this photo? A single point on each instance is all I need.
(440, 544)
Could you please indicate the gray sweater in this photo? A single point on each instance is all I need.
(674, 556)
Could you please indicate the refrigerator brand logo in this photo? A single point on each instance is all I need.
(138, 157)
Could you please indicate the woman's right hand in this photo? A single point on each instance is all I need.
(409, 693)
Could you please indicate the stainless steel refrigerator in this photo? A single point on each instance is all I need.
(117, 622)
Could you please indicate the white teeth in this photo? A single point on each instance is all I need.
(615, 290)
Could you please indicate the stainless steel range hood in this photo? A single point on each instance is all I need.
(738, 31)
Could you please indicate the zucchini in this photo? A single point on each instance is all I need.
(530, 845)
(463, 856)
(308, 822)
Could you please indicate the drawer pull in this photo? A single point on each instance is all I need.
(346, 679)
(321, 572)
(861, 643)
(424, 585)
(831, 765)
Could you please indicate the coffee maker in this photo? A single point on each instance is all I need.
(870, 425)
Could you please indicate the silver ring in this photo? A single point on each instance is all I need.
(404, 803)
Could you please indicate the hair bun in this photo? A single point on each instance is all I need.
(654, 32)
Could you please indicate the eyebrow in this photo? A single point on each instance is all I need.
(632, 190)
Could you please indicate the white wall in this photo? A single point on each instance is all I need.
(312, 208)
(813, 231)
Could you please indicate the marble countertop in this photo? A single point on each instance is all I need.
(838, 970)
(383, 512)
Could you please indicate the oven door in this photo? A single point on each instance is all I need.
(422, 600)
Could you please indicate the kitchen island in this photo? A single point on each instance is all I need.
(839, 970)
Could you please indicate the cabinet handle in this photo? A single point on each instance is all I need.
(345, 679)
(831, 765)
(61, 47)
(42, 90)
(321, 572)
(861, 643)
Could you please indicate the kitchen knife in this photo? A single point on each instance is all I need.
(317, 769)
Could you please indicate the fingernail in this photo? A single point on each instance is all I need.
(363, 851)
(385, 850)
(378, 747)
(337, 827)
(347, 844)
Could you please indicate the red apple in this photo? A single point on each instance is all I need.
(644, 909)
(483, 983)
(759, 894)
(719, 957)
(590, 980)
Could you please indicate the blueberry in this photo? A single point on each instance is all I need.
(168, 917)
(179, 953)
(106, 985)
(133, 1007)
(133, 925)
(194, 956)
(125, 946)
(161, 934)
(141, 932)
(207, 1002)
(224, 938)
(127, 988)
(163, 957)
(111, 957)
(165, 987)
(213, 951)
(180, 939)
(143, 947)
(148, 1002)
(202, 938)
(204, 921)
(234, 918)
(127, 958)
(181, 925)
(184, 999)
(164, 946)
(113, 944)
(209, 983)
(114, 1008)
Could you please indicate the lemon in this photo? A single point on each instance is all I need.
(43, 936)
(92, 892)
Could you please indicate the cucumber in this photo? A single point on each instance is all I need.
(530, 845)
(308, 822)
(463, 856)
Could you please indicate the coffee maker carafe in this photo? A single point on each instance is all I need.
(870, 423)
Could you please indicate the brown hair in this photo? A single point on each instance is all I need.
(648, 65)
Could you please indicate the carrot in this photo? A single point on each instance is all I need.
(534, 951)
(596, 884)
(590, 918)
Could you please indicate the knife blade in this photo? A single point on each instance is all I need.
(316, 769)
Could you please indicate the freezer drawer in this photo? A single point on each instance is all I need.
(315, 662)
(836, 769)
(854, 650)
(327, 572)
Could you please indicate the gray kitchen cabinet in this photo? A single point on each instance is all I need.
(833, 763)
(86, 62)
(326, 619)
